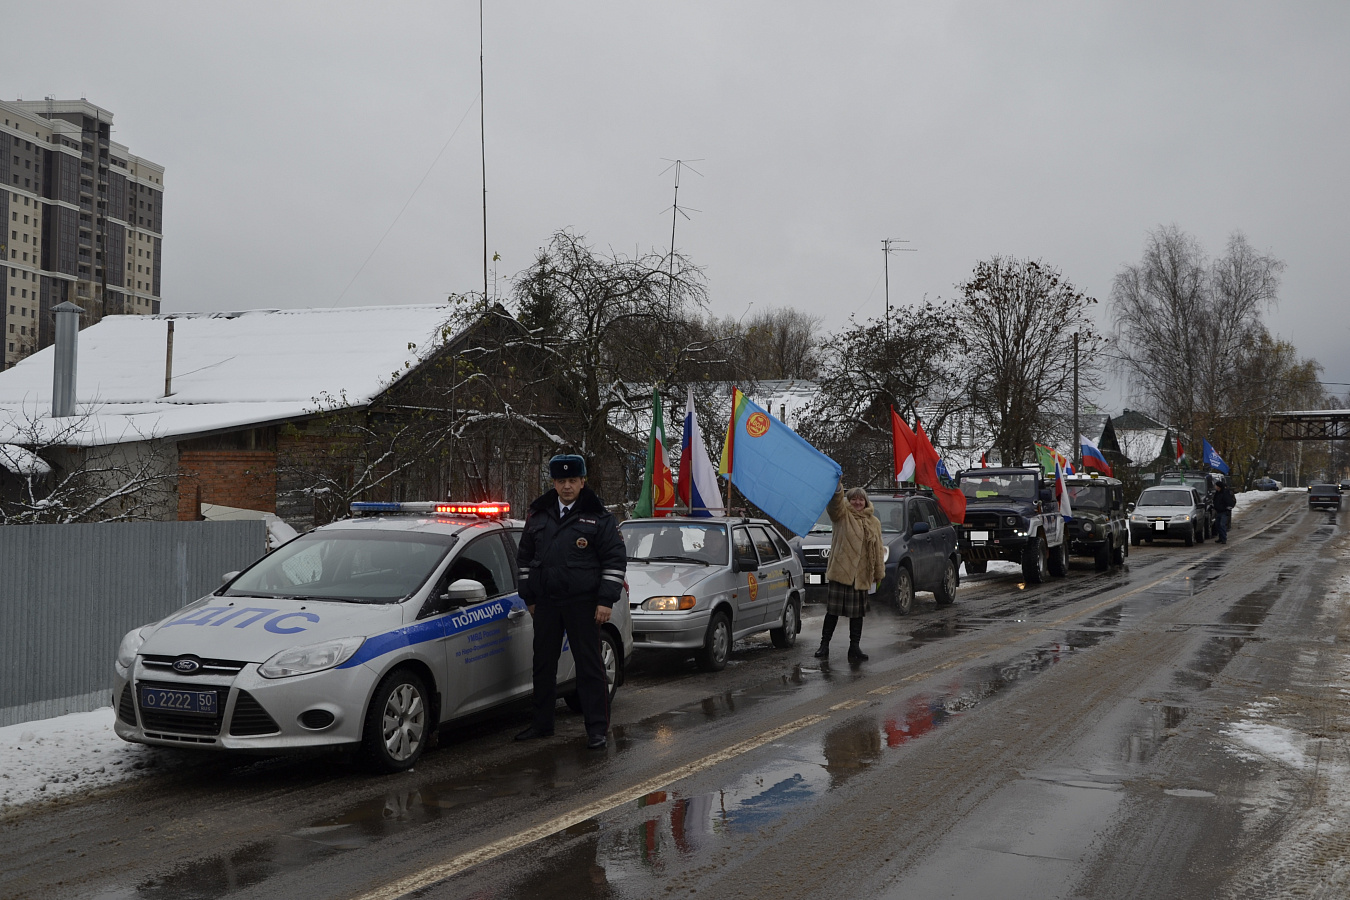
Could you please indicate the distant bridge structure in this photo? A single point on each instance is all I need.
(1311, 425)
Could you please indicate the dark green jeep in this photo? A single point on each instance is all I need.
(1100, 528)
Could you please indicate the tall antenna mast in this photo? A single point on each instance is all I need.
(887, 250)
(675, 213)
(482, 144)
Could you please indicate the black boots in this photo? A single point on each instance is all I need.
(826, 632)
(855, 653)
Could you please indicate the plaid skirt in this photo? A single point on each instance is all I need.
(844, 600)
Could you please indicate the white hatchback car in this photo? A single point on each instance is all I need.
(362, 634)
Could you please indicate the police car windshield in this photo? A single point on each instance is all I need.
(998, 487)
(353, 566)
(676, 542)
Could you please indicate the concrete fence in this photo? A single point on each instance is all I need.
(68, 593)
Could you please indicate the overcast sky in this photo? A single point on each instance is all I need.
(294, 134)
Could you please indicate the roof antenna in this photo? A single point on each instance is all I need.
(675, 213)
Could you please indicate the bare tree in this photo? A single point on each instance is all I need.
(64, 480)
(783, 343)
(1184, 323)
(1019, 319)
(913, 364)
(606, 328)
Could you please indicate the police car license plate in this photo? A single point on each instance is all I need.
(199, 703)
(1159, 526)
(812, 578)
(979, 536)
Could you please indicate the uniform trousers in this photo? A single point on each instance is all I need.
(576, 618)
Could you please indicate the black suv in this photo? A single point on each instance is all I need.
(1011, 515)
(919, 541)
(1099, 528)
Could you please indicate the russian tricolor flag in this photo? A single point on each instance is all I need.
(1092, 456)
(698, 479)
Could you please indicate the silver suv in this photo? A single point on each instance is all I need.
(1171, 511)
(700, 583)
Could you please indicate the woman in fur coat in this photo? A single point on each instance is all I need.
(856, 567)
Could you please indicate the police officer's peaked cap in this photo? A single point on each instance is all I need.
(567, 465)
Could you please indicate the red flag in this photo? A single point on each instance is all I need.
(1180, 452)
(984, 460)
(903, 443)
(952, 501)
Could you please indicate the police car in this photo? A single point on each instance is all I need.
(368, 634)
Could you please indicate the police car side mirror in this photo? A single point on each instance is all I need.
(1129, 507)
(465, 591)
(228, 577)
(747, 564)
(919, 528)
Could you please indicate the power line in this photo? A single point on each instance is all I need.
(406, 202)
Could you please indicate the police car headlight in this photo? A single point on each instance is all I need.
(131, 644)
(669, 604)
(311, 658)
(1181, 518)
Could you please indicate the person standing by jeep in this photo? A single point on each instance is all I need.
(572, 563)
(1224, 501)
(857, 566)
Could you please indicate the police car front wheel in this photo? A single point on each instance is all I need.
(396, 722)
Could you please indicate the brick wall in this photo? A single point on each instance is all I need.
(242, 478)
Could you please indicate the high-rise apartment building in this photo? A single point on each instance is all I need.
(83, 221)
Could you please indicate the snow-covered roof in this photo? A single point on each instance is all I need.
(1141, 445)
(21, 461)
(230, 370)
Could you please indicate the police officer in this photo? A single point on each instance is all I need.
(572, 563)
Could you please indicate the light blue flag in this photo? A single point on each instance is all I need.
(776, 469)
(1212, 458)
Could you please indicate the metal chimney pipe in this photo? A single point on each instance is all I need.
(168, 363)
(67, 316)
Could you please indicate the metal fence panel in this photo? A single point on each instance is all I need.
(68, 593)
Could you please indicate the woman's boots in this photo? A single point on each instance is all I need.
(855, 653)
(827, 632)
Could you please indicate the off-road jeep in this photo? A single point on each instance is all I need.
(1011, 515)
(1099, 528)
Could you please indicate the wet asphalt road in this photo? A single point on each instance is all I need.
(1061, 740)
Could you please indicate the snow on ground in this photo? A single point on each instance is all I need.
(55, 757)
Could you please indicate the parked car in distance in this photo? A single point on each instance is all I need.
(1265, 484)
(919, 543)
(1167, 512)
(1324, 496)
(1345, 485)
(1099, 528)
(369, 633)
(698, 584)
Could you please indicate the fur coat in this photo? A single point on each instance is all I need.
(855, 547)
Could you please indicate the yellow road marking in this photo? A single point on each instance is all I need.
(442, 871)
(849, 704)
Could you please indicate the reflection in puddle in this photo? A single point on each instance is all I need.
(1152, 732)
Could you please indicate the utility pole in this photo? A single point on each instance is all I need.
(887, 250)
(1077, 441)
(482, 146)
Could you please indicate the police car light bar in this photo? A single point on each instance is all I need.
(482, 510)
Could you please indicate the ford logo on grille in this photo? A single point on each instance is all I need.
(187, 665)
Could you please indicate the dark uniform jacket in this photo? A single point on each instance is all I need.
(579, 558)
(1224, 499)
